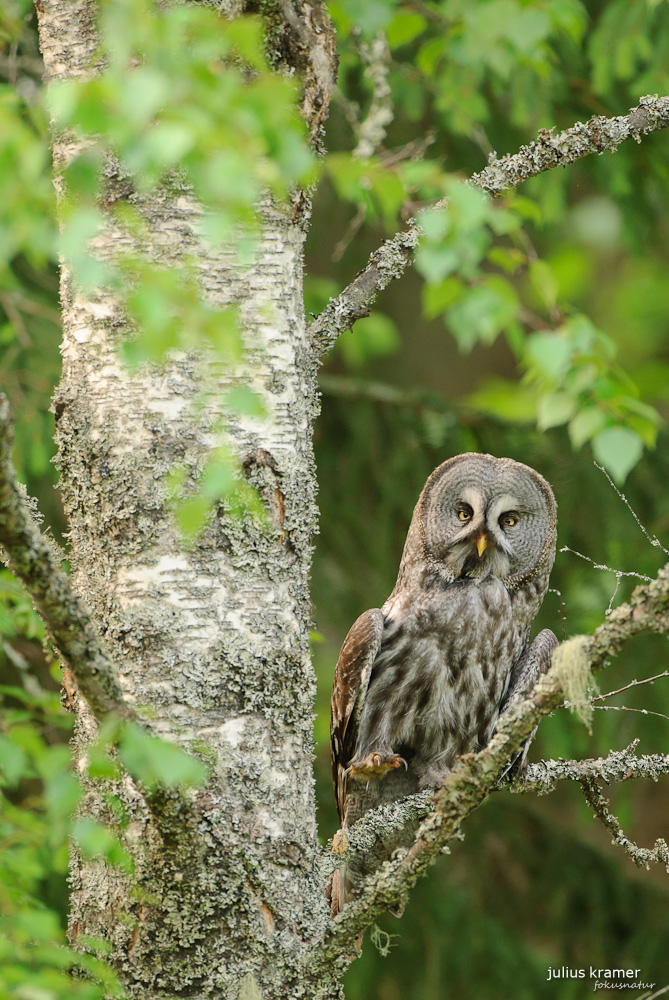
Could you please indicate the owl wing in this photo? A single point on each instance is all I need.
(531, 664)
(351, 680)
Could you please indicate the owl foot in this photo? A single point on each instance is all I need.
(375, 764)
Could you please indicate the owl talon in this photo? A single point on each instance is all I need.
(376, 764)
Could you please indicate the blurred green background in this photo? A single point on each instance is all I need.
(444, 364)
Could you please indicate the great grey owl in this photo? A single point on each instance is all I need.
(424, 678)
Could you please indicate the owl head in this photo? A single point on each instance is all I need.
(480, 516)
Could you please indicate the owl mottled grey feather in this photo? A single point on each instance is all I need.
(424, 679)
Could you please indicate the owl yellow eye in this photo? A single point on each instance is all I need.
(464, 513)
(508, 520)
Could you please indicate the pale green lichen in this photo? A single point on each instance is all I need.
(571, 663)
(249, 989)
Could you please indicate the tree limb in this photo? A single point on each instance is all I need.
(388, 262)
(477, 775)
(547, 151)
(33, 559)
(595, 136)
(641, 856)
(617, 766)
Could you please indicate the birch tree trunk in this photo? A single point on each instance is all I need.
(210, 640)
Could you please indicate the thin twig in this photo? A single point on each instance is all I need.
(608, 569)
(644, 680)
(653, 539)
(627, 708)
(619, 573)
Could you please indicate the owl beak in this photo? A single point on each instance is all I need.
(481, 543)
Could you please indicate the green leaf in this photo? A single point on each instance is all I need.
(192, 515)
(439, 297)
(96, 840)
(618, 449)
(246, 401)
(82, 225)
(482, 313)
(587, 422)
(549, 353)
(404, 27)
(508, 258)
(507, 400)
(156, 762)
(434, 224)
(469, 206)
(219, 477)
(436, 262)
(555, 409)
(369, 17)
(544, 282)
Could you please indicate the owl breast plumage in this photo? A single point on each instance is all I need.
(424, 679)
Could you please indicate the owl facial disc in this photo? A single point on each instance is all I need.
(481, 516)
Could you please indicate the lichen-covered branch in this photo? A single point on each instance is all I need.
(35, 562)
(477, 775)
(546, 152)
(550, 150)
(641, 856)
(375, 824)
(372, 130)
(618, 765)
(388, 262)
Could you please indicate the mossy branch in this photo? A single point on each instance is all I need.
(548, 150)
(36, 563)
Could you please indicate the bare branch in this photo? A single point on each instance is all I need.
(36, 563)
(477, 775)
(635, 683)
(641, 856)
(548, 151)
